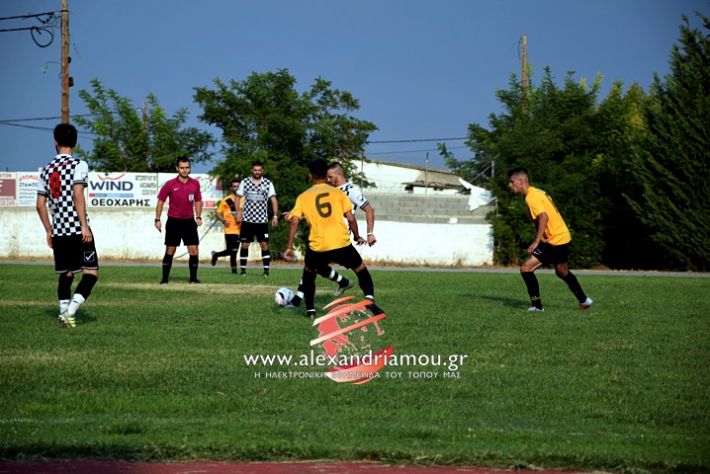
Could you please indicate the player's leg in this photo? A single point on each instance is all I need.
(265, 257)
(246, 238)
(222, 253)
(527, 270)
(87, 261)
(350, 258)
(62, 268)
(233, 247)
(332, 275)
(562, 271)
(263, 238)
(311, 262)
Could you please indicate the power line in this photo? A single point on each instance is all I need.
(411, 151)
(49, 15)
(419, 140)
(34, 119)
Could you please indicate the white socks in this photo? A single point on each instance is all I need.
(76, 301)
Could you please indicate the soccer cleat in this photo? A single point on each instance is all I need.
(586, 304)
(342, 289)
(163, 282)
(243, 273)
(311, 314)
(214, 258)
(67, 320)
(234, 270)
(196, 281)
(533, 309)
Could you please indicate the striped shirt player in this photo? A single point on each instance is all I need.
(323, 207)
(60, 192)
(257, 191)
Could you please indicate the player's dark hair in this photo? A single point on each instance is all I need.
(181, 159)
(318, 168)
(65, 135)
(257, 163)
(334, 165)
(517, 171)
(234, 180)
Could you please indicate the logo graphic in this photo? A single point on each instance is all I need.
(352, 332)
(88, 256)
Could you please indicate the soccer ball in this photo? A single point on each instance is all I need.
(283, 296)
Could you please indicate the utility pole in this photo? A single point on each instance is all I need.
(66, 80)
(524, 76)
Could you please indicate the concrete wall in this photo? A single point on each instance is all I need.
(416, 227)
(128, 234)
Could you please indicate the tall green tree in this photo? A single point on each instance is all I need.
(553, 138)
(674, 164)
(137, 139)
(265, 118)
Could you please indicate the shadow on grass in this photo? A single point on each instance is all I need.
(505, 301)
(82, 317)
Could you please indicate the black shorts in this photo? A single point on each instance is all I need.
(231, 241)
(550, 254)
(73, 255)
(345, 256)
(184, 230)
(250, 230)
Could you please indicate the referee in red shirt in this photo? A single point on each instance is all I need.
(184, 194)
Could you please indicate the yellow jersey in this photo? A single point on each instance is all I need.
(556, 231)
(323, 207)
(228, 208)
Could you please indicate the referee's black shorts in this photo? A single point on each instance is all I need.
(184, 230)
(346, 256)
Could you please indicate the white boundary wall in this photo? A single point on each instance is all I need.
(122, 208)
(128, 234)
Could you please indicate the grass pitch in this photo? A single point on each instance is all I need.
(155, 373)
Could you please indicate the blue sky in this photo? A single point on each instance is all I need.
(420, 68)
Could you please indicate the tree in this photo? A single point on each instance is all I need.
(265, 118)
(674, 163)
(127, 140)
(553, 138)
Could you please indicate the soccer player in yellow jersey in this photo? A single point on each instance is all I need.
(227, 214)
(323, 207)
(551, 244)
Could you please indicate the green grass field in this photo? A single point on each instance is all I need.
(155, 373)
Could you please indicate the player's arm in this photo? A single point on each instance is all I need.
(44, 217)
(158, 212)
(352, 222)
(240, 208)
(370, 219)
(80, 206)
(275, 209)
(219, 214)
(541, 224)
(292, 228)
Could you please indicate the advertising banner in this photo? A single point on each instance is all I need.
(8, 185)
